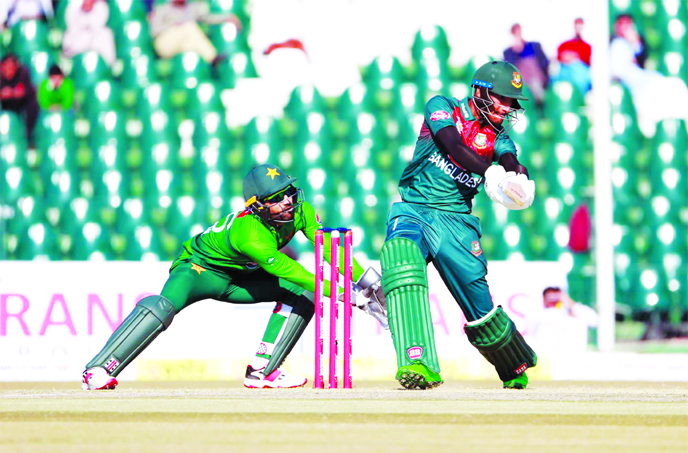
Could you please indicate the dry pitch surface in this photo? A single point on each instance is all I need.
(460, 416)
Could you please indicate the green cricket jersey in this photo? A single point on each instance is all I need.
(241, 242)
(432, 178)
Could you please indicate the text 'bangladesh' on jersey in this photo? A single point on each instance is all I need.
(241, 243)
(432, 178)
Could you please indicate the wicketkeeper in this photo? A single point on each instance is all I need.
(238, 260)
(458, 144)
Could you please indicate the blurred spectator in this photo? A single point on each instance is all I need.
(13, 11)
(563, 324)
(175, 29)
(87, 30)
(529, 58)
(574, 60)
(624, 26)
(149, 5)
(655, 96)
(17, 93)
(57, 91)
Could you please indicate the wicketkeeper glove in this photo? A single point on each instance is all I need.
(515, 191)
(367, 295)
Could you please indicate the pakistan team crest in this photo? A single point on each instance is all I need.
(475, 248)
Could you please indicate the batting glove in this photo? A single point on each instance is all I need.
(519, 192)
(493, 176)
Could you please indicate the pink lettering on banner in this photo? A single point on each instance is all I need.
(511, 304)
(93, 301)
(438, 319)
(48, 321)
(141, 296)
(4, 315)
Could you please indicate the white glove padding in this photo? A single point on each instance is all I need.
(493, 176)
(367, 295)
(518, 190)
(371, 285)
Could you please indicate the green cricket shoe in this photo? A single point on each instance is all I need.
(519, 383)
(417, 376)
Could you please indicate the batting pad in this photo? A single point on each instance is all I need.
(152, 315)
(405, 284)
(497, 339)
(300, 316)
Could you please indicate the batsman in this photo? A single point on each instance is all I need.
(238, 260)
(462, 143)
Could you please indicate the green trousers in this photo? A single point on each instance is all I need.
(190, 282)
(451, 241)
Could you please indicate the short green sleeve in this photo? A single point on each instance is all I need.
(503, 145)
(439, 114)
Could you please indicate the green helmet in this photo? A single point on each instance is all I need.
(500, 77)
(265, 182)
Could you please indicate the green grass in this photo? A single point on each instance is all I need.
(459, 416)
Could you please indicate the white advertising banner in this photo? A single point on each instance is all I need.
(55, 316)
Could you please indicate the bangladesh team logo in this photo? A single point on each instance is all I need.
(480, 141)
(516, 81)
(475, 248)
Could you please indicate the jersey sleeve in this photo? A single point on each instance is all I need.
(311, 225)
(258, 243)
(503, 145)
(439, 114)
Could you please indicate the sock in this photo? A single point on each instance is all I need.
(272, 333)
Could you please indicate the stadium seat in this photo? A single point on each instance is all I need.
(303, 100)
(263, 140)
(88, 69)
(39, 63)
(123, 11)
(12, 130)
(28, 36)
(139, 72)
(430, 42)
(624, 118)
(38, 241)
(563, 96)
(133, 40)
(239, 65)
(188, 70)
(228, 39)
(108, 128)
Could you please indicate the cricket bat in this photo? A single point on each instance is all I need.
(515, 192)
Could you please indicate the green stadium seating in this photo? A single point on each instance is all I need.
(133, 40)
(139, 72)
(39, 63)
(38, 241)
(28, 36)
(430, 42)
(88, 69)
(102, 97)
(12, 130)
(228, 39)
(304, 100)
(123, 11)
(188, 70)
(237, 66)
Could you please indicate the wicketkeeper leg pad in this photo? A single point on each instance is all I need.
(301, 314)
(151, 316)
(405, 285)
(497, 339)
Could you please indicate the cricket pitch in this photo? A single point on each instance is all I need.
(460, 416)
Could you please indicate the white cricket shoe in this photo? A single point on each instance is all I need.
(96, 378)
(278, 379)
